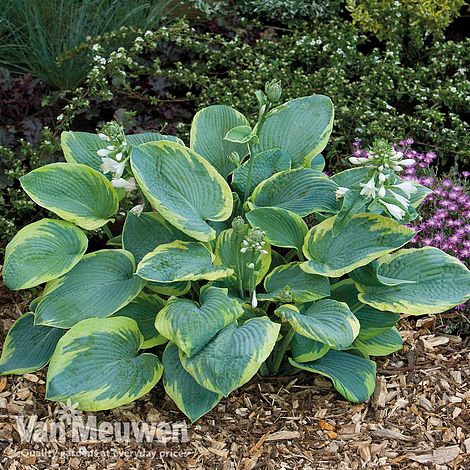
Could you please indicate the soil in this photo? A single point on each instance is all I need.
(419, 417)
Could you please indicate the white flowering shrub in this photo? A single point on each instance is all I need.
(216, 274)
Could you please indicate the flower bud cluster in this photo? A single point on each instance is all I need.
(254, 242)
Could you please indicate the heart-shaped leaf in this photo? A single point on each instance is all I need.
(180, 261)
(99, 285)
(182, 186)
(191, 326)
(439, 282)
(74, 192)
(366, 237)
(302, 191)
(142, 234)
(384, 344)
(306, 350)
(352, 376)
(28, 347)
(373, 322)
(192, 399)
(82, 147)
(143, 309)
(327, 321)
(96, 364)
(265, 164)
(210, 126)
(282, 227)
(42, 251)
(289, 283)
(300, 127)
(233, 356)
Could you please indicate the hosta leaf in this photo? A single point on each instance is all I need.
(318, 163)
(352, 376)
(365, 238)
(169, 288)
(28, 347)
(306, 349)
(99, 285)
(209, 127)
(265, 164)
(191, 326)
(283, 228)
(353, 202)
(373, 322)
(302, 191)
(182, 186)
(192, 399)
(180, 261)
(327, 321)
(384, 344)
(81, 147)
(42, 251)
(300, 127)
(74, 192)
(142, 234)
(440, 282)
(239, 135)
(96, 364)
(143, 309)
(289, 280)
(233, 356)
(352, 177)
(227, 253)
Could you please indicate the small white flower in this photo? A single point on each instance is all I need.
(128, 185)
(138, 209)
(398, 168)
(103, 136)
(358, 160)
(401, 199)
(244, 250)
(103, 152)
(408, 162)
(397, 156)
(111, 148)
(340, 192)
(408, 187)
(396, 211)
(263, 252)
(112, 166)
(382, 191)
(382, 177)
(254, 300)
(250, 265)
(119, 156)
(369, 188)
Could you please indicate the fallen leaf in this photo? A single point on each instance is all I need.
(326, 426)
(438, 456)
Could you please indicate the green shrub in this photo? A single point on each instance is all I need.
(217, 262)
(35, 34)
(391, 20)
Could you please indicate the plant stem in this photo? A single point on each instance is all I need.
(240, 288)
(300, 255)
(125, 206)
(290, 255)
(282, 351)
(108, 232)
(356, 307)
(249, 176)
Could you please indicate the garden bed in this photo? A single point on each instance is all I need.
(418, 418)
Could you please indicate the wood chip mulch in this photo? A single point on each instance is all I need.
(419, 417)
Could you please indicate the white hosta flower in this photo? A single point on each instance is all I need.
(340, 192)
(396, 211)
(382, 177)
(369, 188)
(112, 166)
(397, 156)
(382, 191)
(358, 160)
(398, 168)
(103, 136)
(119, 156)
(408, 162)
(254, 300)
(138, 209)
(103, 152)
(401, 199)
(128, 185)
(408, 187)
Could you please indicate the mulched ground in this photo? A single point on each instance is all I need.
(419, 417)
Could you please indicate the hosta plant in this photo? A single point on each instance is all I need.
(240, 256)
